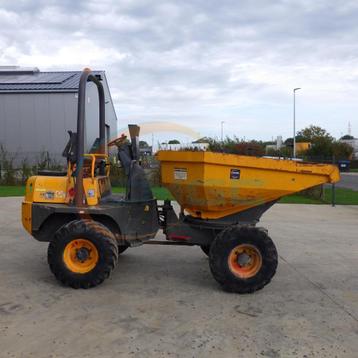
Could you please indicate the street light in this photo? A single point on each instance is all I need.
(222, 131)
(294, 121)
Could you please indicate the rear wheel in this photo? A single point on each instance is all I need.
(243, 259)
(82, 254)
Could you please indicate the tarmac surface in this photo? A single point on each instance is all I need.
(163, 301)
(348, 181)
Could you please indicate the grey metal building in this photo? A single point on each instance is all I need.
(38, 108)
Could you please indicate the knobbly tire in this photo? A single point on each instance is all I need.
(82, 254)
(205, 249)
(243, 259)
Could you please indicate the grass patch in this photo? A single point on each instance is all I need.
(159, 192)
(9, 190)
(355, 170)
(299, 199)
(343, 196)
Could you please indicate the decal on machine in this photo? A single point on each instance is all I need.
(60, 194)
(90, 193)
(235, 174)
(51, 195)
(48, 195)
(180, 174)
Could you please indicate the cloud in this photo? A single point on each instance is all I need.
(201, 62)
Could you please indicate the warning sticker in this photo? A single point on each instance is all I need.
(235, 174)
(180, 174)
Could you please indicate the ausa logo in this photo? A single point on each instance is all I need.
(235, 174)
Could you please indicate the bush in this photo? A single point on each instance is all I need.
(26, 170)
(44, 161)
(284, 152)
(8, 171)
(316, 192)
(153, 176)
(237, 146)
(117, 175)
(15, 171)
(342, 150)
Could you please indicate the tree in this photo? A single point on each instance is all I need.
(288, 142)
(342, 150)
(202, 140)
(250, 148)
(237, 146)
(321, 149)
(347, 137)
(313, 134)
(174, 141)
(321, 140)
(143, 144)
(285, 152)
(299, 139)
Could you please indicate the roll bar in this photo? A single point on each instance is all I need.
(87, 76)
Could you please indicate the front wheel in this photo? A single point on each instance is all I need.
(243, 259)
(82, 254)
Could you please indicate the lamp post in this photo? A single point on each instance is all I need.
(294, 121)
(222, 131)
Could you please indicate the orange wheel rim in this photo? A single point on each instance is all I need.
(245, 261)
(80, 256)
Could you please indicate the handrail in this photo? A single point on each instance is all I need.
(94, 156)
(87, 76)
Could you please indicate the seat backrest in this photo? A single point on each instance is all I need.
(70, 151)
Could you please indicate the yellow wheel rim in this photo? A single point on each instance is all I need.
(80, 256)
(245, 261)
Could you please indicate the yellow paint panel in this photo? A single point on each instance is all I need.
(48, 189)
(96, 188)
(26, 211)
(91, 190)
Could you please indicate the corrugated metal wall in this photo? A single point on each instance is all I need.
(36, 122)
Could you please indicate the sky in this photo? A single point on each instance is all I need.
(198, 63)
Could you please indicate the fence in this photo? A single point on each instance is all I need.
(15, 168)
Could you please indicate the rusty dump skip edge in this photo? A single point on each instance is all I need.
(224, 159)
(202, 184)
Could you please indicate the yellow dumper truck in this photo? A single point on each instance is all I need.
(221, 198)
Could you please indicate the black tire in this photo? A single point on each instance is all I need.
(205, 249)
(258, 241)
(100, 237)
(122, 248)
